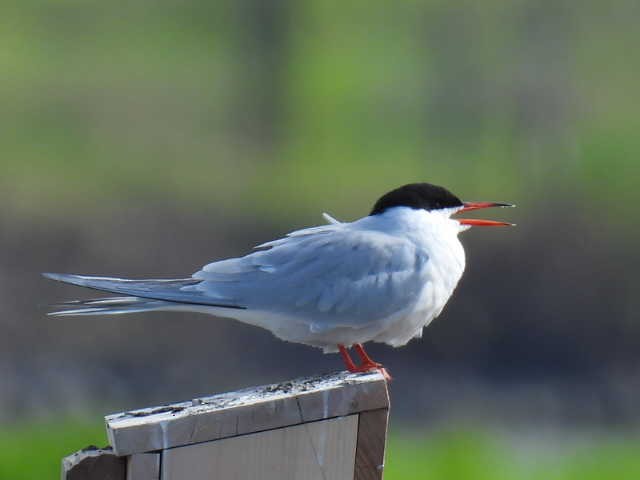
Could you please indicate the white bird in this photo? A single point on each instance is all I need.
(381, 278)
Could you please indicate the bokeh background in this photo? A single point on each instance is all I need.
(148, 138)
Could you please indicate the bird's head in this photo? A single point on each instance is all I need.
(433, 198)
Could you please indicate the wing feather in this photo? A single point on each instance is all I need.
(328, 276)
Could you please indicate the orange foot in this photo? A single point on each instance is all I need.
(366, 365)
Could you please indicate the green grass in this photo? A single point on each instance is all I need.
(34, 452)
(478, 455)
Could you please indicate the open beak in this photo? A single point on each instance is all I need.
(475, 222)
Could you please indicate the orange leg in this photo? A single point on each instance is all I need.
(346, 358)
(366, 359)
(367, 363)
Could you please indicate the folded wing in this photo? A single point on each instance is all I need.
(329, 276)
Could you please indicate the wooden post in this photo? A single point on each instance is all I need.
(326, 427)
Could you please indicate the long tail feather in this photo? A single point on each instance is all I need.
(139, 295)
(110, 306)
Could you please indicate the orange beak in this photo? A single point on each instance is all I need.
(475, 222)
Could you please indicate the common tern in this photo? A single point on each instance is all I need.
(381, 278)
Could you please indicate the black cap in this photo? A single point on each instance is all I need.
(417, 196)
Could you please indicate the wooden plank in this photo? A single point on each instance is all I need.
(321, 450)
(372, 436)
(143, 466)
(93, 463)
(246, 411)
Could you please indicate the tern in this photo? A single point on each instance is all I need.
(381, 278)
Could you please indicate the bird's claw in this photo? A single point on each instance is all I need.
(367, 364)
(370, 366)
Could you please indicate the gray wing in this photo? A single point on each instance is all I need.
(333, 275)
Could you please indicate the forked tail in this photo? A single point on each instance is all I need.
(136, 295)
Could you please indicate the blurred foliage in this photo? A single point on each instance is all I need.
(479, 455)
(34, 451)
(289, 107)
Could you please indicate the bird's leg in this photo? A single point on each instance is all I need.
(346, 358)
(368, 364)
(366, 359)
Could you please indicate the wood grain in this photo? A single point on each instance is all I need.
(321, 450)
(143, 466)
(372, 436)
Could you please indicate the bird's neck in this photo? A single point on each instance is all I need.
(432, 232)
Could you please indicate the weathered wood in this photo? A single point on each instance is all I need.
(93, 463)
(246, 411)
(321, 450)
(143, 466)
(319, 428)
(372, 436)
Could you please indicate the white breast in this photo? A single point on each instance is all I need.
(437, 235)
